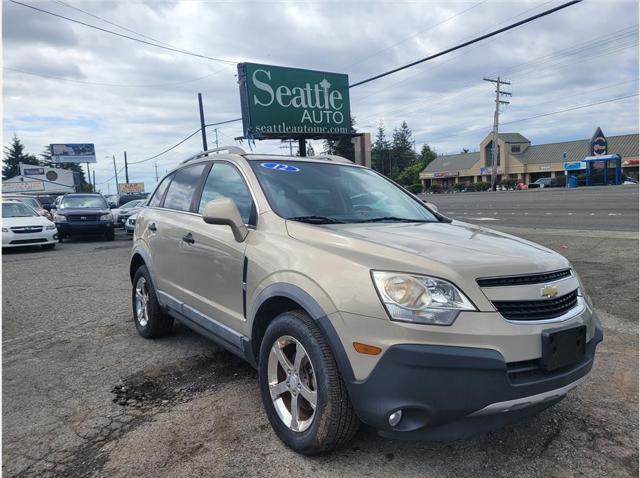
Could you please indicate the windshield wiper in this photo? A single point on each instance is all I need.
(393, 219)
(315, 220)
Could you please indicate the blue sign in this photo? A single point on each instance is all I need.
(280, 167)
(575, 165)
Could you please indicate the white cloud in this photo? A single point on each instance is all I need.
(584, 54)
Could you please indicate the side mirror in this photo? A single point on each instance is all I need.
(52, 207)
(46, 207)
(224, 212)
(432, 206)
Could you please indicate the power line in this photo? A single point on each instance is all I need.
(185, 139)
(52, 77)
(429, 28)
(177, 50)
(467, 43)
(118, 26)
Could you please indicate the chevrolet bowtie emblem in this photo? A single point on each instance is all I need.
(549, 291)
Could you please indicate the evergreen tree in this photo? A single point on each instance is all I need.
(13, 155)
(343, 146)
(402, 154)
(380, 152)
(411, 174)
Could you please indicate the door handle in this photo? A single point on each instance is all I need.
(152, 227)
(188, 238)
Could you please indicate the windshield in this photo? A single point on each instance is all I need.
(17, 209)
(131, 204)
(83, 202)
(30, 202)
(326, 193)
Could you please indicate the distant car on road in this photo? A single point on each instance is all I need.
(83, 214)
(543, 183)
(125, 198)
(23, 226)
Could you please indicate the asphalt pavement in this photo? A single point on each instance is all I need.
(84, 395)
(609, 208)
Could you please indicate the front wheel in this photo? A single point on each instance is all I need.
(303, 393)
(110, 235)
(151, 321)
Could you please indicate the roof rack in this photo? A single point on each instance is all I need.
(230, 149)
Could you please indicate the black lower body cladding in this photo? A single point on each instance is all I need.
(439, 387)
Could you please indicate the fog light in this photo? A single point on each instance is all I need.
(55, 237)
(395, 418)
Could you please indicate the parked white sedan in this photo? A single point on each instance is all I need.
(23, 226)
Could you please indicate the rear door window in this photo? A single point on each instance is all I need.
(180, 192)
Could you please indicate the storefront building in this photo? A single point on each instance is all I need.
(521, 161)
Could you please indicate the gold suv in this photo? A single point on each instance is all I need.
(356, 301)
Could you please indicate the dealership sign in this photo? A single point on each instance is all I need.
(22, 186)
(488, 171)
(131, 187)
(73, 153)
(282, 102)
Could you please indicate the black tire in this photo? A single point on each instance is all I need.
(335, 421)
(110, 235)
(158, 322)
(48, 247)
(61, 237)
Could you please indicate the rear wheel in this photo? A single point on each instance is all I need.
(151, 321)
(303, 394)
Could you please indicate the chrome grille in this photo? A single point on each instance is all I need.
(26, 229)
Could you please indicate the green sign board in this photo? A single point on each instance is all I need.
(285, 103)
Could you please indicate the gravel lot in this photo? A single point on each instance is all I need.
(84, 395)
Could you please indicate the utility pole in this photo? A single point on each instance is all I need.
(202, 130)
(302, 147)
(94, 180)
(88, 174)
(216, 130)
(115, 172)
(126, 168)
(156, 165)
(496, 121)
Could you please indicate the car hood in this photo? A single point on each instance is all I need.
(25, 221)
(460, 247)
(82, 211)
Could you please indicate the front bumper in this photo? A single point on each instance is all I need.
(11, 239)
(78, 228)
(449, 392)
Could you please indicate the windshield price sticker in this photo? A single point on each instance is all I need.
(280, 167)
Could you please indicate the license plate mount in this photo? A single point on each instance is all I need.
(562, 347)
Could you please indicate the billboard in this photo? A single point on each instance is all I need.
(125, 188)
(73, 153)
(280, 102)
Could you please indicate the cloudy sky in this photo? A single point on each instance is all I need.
(64, 82)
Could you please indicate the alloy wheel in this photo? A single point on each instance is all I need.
(292, 383)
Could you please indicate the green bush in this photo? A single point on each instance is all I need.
(481, 186)
(415, 188)
(460, 186)
(436, 188)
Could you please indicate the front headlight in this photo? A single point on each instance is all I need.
(106, 217)
(420, 299)
(50, 227)
(59, 218)
(4, 229)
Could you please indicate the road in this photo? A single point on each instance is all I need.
(595, 208)
(84, 395)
